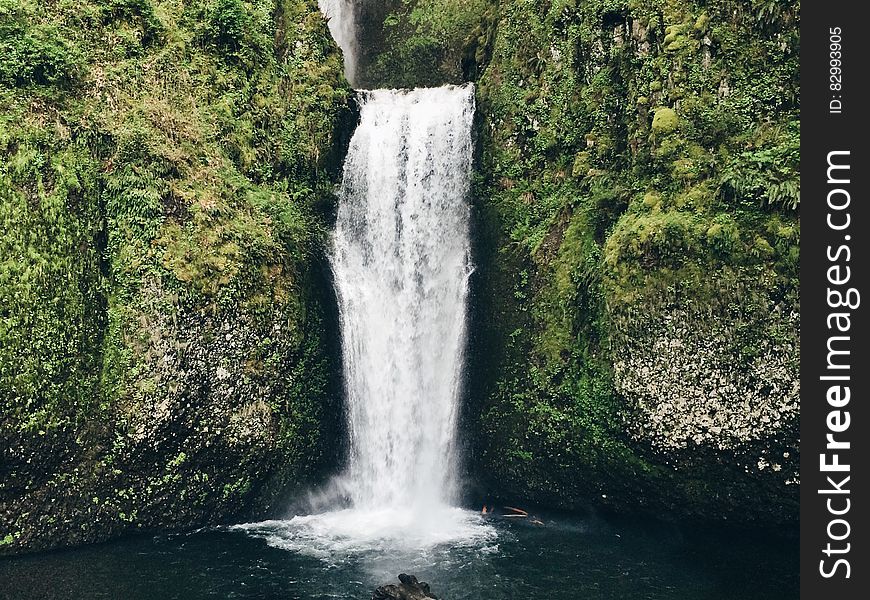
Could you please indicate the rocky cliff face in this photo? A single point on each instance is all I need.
(164, 194)
(639, 246)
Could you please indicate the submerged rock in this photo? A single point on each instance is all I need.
(408, 589)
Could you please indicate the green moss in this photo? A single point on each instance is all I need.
(163, 185)
(652, 200)
(762, 248)
(665, 120)
(608, 206)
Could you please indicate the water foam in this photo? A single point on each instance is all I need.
(335, 536)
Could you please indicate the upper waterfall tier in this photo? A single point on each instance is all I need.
(341, 15)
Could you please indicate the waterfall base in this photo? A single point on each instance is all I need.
(388, 530)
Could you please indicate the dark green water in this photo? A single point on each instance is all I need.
(569, 557)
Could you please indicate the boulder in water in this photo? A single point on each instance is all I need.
(408, 589)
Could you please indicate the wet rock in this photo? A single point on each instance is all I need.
(408, 589)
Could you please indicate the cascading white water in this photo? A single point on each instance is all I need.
(401, 261)
(341, 16)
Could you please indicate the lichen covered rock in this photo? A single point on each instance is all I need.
(692, 382)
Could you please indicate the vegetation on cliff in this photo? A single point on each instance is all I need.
(164, 192)
(163, 189)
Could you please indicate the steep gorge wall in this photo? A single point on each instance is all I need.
(164, 198)
(640, 165)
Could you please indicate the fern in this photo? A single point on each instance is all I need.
(769, 175)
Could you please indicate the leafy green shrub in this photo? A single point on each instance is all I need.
(35, 54)
(231, 26)
(430, 42)
(139, 11)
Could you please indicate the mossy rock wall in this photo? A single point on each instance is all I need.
(637, 257)
(164, 196)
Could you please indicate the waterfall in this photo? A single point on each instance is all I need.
(341, 16)
(401, 260)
